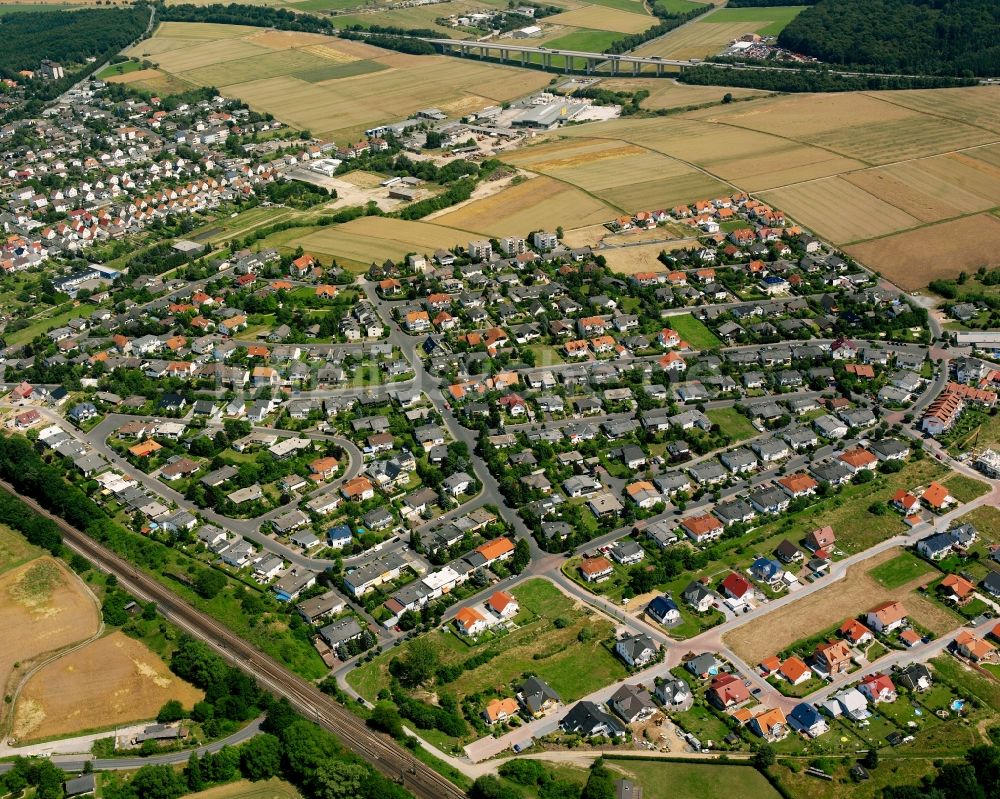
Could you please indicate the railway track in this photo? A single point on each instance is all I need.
(381, 751)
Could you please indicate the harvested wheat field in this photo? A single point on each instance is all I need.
(975, 105)
(14, 549)
(113, 680)
(841, 600)
(670, 94)
(838, 210)
(603, 18)
(696, 40)
(363, 241)
(537, 203)
(625, 175)
(914, 258)
(314, 82)
(43, 608)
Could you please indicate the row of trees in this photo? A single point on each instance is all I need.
(239, 14)
(812, 80)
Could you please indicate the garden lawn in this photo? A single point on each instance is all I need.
(959, 675)
(847, 512)
(901, 570)
(693, 332)
(572, 667)
(733, 423)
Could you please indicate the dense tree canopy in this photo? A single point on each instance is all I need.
(933, 37)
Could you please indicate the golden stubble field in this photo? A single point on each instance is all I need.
(43, 608)
(361, 242)
(304, 80)
(541, 202)
(855, 594)
(111, 681)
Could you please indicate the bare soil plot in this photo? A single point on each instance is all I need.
(606, 19)
(43, 608)
(362, 179)
(113, 680)
(851, 596)
(913, 258)
(839, 210)
(586, 236)
(696, 40)
(540, 202)
(643, 257)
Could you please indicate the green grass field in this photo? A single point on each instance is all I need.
(951, 671)
(733, 423)
(679, 6)
(119, 69)
(776, 17)
(899, 571)
(585, 41)
(572, 667)
(965, 489)
(331, 71)
(693, 332)
(694, 781)
(14, 549)
(20, 8)
(634, 6)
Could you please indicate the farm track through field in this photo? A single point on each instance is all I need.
(7, 719)
(379, 750)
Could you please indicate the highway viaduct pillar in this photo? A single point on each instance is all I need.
(524, 58)
(659, 70)
(635, 68)
(547, 60)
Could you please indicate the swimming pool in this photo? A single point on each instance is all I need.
(958, 704)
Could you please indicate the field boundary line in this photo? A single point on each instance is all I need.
(873, 167)
(989, 211)
(701, 169)
(875, 96)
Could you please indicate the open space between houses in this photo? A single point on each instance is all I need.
(856, 593)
